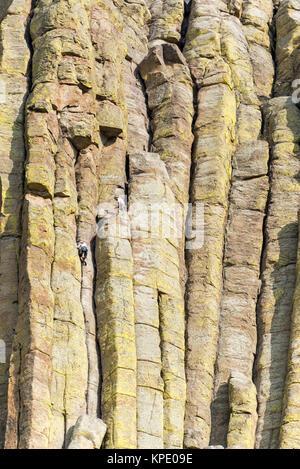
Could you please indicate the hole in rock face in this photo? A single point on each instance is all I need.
(106, 140)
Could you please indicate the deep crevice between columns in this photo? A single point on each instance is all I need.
(149, 116)
(185, 23)
(273, 40)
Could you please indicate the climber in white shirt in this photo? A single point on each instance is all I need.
(121, 203)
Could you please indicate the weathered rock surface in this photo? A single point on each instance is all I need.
(159, 305)
(88, 433)
(278, 267)
(181, 329)
(243, 415)
(14, 61)
(289, 431)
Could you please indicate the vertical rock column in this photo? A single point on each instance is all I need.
(29, 415)
(287, 22)
(247, 203)
(135, 17)
(77, 131)
(289, 432)
(159, 305)
(228, 121)
(244, 240)
(166, 20)
(115, 315)
(212, 153)
(14, 61)
(114, 289)
(278, 269)
(256, 17)
(30, 371)
(87, 171)
(170, 100)
(243, 415)
(60, 123)
(282, 119)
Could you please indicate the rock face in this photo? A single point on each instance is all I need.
(165, 135)
(88, 433)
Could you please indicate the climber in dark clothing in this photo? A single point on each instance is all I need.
(83, 252)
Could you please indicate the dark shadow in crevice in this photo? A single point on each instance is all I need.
(220, 415)
(149, 116)
(93, 254)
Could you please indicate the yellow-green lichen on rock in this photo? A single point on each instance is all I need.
(243, 415)
(14, 66)
(289, 432)
(278, 275)
(159, 306)
(179, 329)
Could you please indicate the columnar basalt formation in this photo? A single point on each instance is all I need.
(115, 316)
(256, 18)
(278, 266)
(14, 69)
(166, 20)
(243, 415)
(280, 253)
(159, 304)
(180, 329)
(287, 54)
(114, 289)
(136, 17)
(226, 88)
(237, 340)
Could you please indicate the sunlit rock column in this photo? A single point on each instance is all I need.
(212, 152)
(170, 100)
(169, 89)
(244, 241)
(114, 289)
(58, 126)
(282, 119)
(276, 306)
(14, 63)
(30, 407)
(86, 171)
(290, 429)
(257, 17)
(77, 131)
(159, 305)
(243, 247)
(166, 20)
(136, 17)
(115, 315)
(243, 415)
(287, 22)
